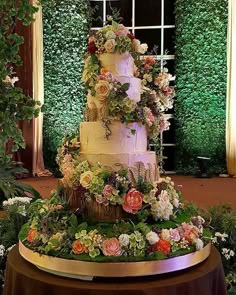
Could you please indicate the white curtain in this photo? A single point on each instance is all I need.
(38, 94)
(231, 91)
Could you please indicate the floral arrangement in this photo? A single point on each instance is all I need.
(156, 93)
(115, 38)
(52, 229)
(136, 194)
(156, 98)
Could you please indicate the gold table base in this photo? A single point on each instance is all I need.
(87, 270)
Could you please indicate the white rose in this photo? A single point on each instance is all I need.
(143, 48)
(124, 240)
(110, 45)
(152, 237)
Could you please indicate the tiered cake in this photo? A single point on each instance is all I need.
(120, 209)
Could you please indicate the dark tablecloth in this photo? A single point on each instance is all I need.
(207, 278)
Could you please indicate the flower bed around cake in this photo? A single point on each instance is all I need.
(55, 230)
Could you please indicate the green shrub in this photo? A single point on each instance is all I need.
(66, 29)
(200, 108)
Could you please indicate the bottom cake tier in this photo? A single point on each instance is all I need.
(125, 160)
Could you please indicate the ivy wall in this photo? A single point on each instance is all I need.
(66, 27)
(201, 36)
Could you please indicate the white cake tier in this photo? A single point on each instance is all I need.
(125, 160)
(124, 138)
(134, 91)
(118, 64)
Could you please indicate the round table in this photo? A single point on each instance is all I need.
(207, 278)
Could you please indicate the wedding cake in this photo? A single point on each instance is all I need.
(120, 210)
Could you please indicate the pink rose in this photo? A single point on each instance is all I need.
(132, 201)
(146, 67)
(164, 196)
(107, 191)
(111, 247)
(122, 31)
(151, 117)
(174, 235)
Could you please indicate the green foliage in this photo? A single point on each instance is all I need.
(223, 220)
(201, 35)
(66, 29)
(14, 104)
(10, 188)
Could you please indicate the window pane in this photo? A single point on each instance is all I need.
(125, 10)
(169, 163)
(170, 65)
(169, 135)
(97, 7)
(169, 7)
(151, 37)
(147, 13)
(169, 38)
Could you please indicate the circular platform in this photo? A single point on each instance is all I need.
(88, 270)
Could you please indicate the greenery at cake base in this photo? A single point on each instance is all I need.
(54, 229)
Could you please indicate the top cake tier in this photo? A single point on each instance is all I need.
(118, 64)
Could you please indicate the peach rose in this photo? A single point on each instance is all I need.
(86, 178)
(102, 89)
(78, 247)
(132, 201)
(111, 247)
(32, 234)
(110, 45)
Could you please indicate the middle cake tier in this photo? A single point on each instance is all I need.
(116, 137)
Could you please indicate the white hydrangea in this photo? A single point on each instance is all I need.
(162, 210)
(199, 244)
(227, 253)
(124, 240)
(152, 237)
(222, 236)
(2, 250)
(16, 200)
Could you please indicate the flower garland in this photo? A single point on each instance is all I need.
(52, 228)
(156, 93)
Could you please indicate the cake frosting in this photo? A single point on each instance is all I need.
(124, 138)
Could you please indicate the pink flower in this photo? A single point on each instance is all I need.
(150, 60)
(101, 77)
(174, 235)
(107, 191)
(132, 201)
(151, 117)
(122, 30)
(164, 196)
(146, 67)
(111, 247)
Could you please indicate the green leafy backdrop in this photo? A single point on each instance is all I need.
(66, 27)
(201, 36)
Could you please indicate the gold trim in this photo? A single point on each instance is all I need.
(76, 268)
